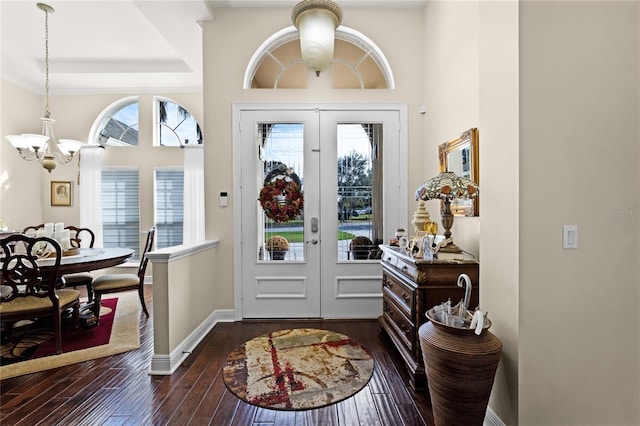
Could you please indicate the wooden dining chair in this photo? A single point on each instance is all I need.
(115, 283)
(79, 237)
(28, 294)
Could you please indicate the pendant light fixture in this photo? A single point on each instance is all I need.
(316, 20)
(45, 147)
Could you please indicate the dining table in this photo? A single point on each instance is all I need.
(88, 259)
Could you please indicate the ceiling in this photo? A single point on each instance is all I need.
(117, 46)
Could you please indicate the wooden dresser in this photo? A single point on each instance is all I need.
(412, 286)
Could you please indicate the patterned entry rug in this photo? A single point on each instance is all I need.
(297, 369)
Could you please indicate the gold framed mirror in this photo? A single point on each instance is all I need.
(460, 156)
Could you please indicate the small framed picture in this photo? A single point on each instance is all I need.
(61, 193)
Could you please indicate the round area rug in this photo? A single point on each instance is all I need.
(297, 369)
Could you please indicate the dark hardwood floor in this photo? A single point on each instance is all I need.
(117, 390)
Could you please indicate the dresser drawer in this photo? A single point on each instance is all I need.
(401, 293)
(409, 270)
(400, 324)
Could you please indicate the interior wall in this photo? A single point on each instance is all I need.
(579, 149)
(499, 165)
(451, 97)
(471, 81)
(400, 38)
(20, 181)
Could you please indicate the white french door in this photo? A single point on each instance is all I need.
(338, 157)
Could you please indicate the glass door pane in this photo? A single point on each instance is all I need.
(281, 152)
(359, 190)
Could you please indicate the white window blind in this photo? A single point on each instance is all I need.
(121, 209)
(169, 207)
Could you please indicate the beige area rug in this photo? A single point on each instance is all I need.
(125, 336)
(298, 369)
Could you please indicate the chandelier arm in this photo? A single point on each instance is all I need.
(30, 154)
(62, 158)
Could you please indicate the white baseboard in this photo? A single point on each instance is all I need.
(163, 364)
(492, 419)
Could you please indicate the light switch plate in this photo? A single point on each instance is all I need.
(570, 236)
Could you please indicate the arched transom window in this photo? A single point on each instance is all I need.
(357, 63)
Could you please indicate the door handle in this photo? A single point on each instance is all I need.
(313, 241)
(314, 224)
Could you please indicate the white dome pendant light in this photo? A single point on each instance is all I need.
(316, 20)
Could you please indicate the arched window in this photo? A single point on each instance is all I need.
(175, 126)
(357, 63)
(118, 125)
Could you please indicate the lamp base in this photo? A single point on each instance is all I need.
(450, 248)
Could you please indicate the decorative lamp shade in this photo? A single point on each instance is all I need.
(70, 146)
(27, 140)
(316, 20)
(447, 186)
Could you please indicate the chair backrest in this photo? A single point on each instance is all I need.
(78, 235)
(21, 274)
(143, 258)
(31, 230)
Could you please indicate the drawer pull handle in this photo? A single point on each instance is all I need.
(387, 310)
(388, 284)
(404, 328)
(405, 297)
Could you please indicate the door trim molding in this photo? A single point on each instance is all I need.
(239, 108)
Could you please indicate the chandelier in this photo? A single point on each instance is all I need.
(316, 20)
(45, 147)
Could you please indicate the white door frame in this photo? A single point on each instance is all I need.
(396, 215)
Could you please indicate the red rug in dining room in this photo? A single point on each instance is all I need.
(118, 332)
(37, 340)
(298, 369)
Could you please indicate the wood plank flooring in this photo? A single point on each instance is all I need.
(117, 390)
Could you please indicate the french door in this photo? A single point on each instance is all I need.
(306, 264)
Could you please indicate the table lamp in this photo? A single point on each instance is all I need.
(447, 186)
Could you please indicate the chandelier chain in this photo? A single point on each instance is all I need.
(47, 113)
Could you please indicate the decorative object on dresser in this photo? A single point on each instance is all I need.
(447, 186)
(409, 287)
(420, 218)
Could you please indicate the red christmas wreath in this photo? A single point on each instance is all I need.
(281, 199)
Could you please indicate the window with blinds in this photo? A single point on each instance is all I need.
(121, 209)
(169, 207)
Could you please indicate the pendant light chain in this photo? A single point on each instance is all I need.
(47, 113)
